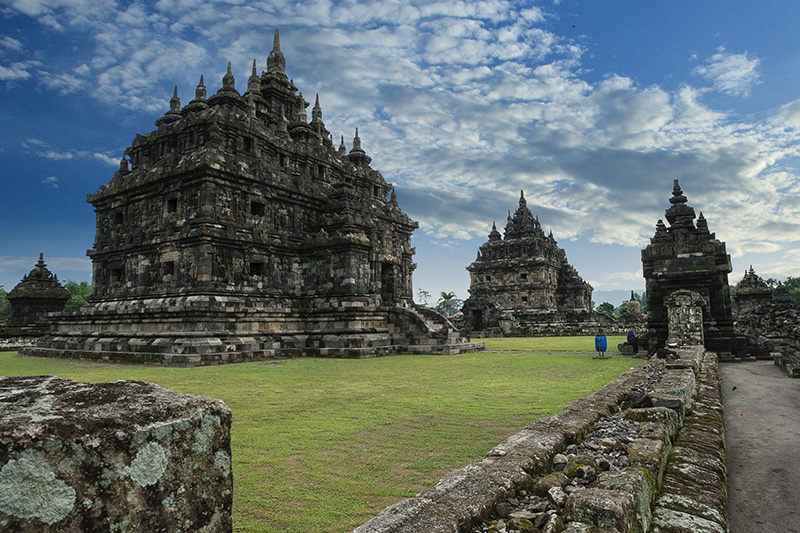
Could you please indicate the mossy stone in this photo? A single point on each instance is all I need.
(545, 483)
(571, 470)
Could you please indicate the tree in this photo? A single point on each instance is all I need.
(5, 305)
(793, 286)
(423, 296)
(606, 307)
(449, 304)
(80, 292)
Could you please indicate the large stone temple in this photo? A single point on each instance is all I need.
(686, 274)
(522, 284)
(238, 231)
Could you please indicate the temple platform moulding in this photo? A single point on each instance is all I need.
(237, 230)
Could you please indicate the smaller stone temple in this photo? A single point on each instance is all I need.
(750, 293)
(689, 258)
(38, 294)
(522, 284)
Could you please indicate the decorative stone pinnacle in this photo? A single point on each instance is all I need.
(175, 102)
(276, 63)
(677, 194)
(679, 215)
(200, 91)
(316, 111)
(357, 154)
(228, 81)
(254, 82)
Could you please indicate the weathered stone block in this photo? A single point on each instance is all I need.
(664, 416)
(412, 514)
(603, 508)
(640, 484)
(120, 456)
(473, 491)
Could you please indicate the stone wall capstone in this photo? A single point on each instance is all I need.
(120, 456)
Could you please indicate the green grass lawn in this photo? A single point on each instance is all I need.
(322, 445)
(557, 344)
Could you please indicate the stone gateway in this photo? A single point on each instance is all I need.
(238, 231)
(688, 257)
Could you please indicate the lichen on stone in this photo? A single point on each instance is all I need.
(149, 465)
(30, 489)
(209, 425)
(222, 462)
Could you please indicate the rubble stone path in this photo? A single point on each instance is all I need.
(762, 436)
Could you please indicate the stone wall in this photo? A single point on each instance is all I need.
(773, 330)
(123, 456)
(661, 470)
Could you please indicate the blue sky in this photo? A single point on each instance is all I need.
(591, 108)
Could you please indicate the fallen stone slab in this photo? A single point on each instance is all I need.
(119, 456)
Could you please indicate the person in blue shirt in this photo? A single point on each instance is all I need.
(600, 344)
(633, 341)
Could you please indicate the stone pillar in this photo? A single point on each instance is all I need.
(685, 317)
(120, 456)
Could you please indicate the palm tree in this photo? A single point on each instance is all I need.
(448, 303)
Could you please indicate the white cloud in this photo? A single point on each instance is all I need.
(51, 181)
(729, 73)
(10, 44)
(16, 71)
(42, 149)
(462, 104)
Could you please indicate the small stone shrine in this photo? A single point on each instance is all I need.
(238, 231)
(522, 284)
(687, 257)
(38, 294)
(751, 292)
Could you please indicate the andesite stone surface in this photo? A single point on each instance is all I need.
(119, 456)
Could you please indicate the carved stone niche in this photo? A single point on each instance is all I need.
(685, 317)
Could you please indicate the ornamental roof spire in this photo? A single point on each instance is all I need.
(357, 154)
(200, 91)
(174, 112)
(228, 81)
(316, 111)
(175, 102)
(680, 215)
(276, 63)
(254, 81)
